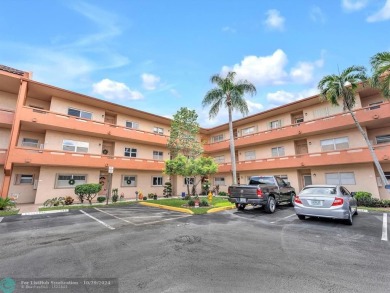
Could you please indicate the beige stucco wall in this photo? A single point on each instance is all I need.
(264, 151)
(31, 102)
(4, 138)
(54, 140)
(33, 135)
(143, 151)
(371, 99)
(25, 192)
(8, 100)
(372, 133)
(61, 106)
(1, 176)
(144, 125)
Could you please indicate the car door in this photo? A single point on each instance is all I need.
(347, 195)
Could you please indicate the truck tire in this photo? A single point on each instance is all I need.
(271, 205)
(292, 197)
(240, 206)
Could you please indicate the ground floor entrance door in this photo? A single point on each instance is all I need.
(306, 180)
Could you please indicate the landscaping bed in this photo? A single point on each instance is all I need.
(85, 206)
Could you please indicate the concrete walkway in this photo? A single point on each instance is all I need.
(27, 207)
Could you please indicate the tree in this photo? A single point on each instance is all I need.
(89, 191)
(229, 94)
(183, 137)
(195, 168)
(381, 73)
(335, 88)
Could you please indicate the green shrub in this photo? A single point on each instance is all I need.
(145, 198)
(187, 197)
(101, 199)
(362, 194)
(191, 203)
(68, 200)
(222, 193)
(88, 191)
(56, 201)
(150, 195)
(374, 202)
(155, 196)
(204, 203)
(6, 203)
(114, 196)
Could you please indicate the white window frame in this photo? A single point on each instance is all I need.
(217, 138)
(336, 178)
(158, 155)
(190, 179)
(278, 151)
(247, 131)
(335, 142)
(81, 114)
(132, 152)
(24, 179)
(375, 105)
(219, 181)
(78, 146)
(132, 124)
(65, 181)
(157, 178)
(219, 159)
(275, 124)
(133, 179)
(299, 120)
(386, 139)
(30, 142)
(250, 155)
(158, 130)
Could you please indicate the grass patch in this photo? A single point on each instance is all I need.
(8, 212)
(86, 206)
(177, 202)
(382, 210)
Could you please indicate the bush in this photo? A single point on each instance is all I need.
(6, 203)
(89, 191)
(145, 198)
(362, 195)
(150, 195)
(222, 193)
(204, 203)
(68, 200)
(56, 201)
(374, 202)
(114, 196)
(187, 197)
(155, 196)
(101, 199)
(191, 203)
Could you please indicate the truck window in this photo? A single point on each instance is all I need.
(261, 180)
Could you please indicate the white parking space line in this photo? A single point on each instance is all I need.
(283, 218)
(114, 216)
(1, 218)
(384, 228)
(101, 222)
(164, 220)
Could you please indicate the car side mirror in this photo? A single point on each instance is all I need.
(353, 194)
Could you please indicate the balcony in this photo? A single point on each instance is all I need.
(348, 156)
(365, 116)
(6, 118)
(66, 123)
(34, 157)
(3, 153)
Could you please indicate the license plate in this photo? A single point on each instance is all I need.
(242, 199)
(316, 203)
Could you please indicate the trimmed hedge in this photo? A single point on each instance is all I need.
(365, 199)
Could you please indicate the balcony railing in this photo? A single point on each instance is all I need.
(301, 130)
(6, 117)
(110, 131)
(338, 157)
(70, 159)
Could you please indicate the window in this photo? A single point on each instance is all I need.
(217, 138)
(387, 175)
(66, 180)
(188, 180)
(158, 130)
(129, 180)
(129, 152)
(277, 152)
(346, 178)
(157, 155)
(322, 112)
(334, 144)
(250, 155)
(219, 159)
(299, 120)
(75, 146)
(219, 181)
(248, 130)
(130, 124)
(375, 105)
(157, 181)
(383, 139)
(30, 142)
(79, 113)
(24, 179)
(275, 124)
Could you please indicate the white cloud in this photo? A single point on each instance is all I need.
(282, 97)
(381, 15)
(229, 29)
(303, 72)
(175, 93)
(274, 20)
(150, 81)
(317, 15)
(353, 5)
(113, 90)
(268, 70)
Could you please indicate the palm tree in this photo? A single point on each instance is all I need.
(230, 95)
(381, 73)
(335, 88)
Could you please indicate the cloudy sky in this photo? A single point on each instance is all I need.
(158, 56)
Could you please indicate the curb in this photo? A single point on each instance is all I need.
(215, 210)
(182, 210)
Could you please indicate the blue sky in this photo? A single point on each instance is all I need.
(158, 56)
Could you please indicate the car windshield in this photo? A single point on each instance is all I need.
(318, 191)
(261, 180)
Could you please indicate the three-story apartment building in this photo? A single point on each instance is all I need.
(53, 139)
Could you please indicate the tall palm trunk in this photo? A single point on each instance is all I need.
(370, 148)
(231, 143)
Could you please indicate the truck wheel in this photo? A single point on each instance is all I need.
(240, 206)
(270, 206)
(292, 197)
(301, 217)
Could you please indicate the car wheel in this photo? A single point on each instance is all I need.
(292, 199)
(301, 217)
(270, 206)
(349, 220)
(356, 212)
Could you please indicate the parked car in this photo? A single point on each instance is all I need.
(265, 191)
(326, 201)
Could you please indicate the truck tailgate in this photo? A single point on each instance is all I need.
(247, 191)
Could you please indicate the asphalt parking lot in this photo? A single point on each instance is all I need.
(152, 250)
